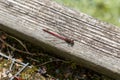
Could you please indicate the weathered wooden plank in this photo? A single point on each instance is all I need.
(96, 43)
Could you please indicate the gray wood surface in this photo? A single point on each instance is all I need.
(96, 43)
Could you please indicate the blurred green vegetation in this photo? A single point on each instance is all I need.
(105, 10)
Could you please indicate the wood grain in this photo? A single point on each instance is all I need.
(96, 43)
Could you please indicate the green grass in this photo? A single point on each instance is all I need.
(105, 10)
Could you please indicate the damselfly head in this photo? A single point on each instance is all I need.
(70, 41)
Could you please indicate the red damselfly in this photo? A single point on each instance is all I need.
(69, 41)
